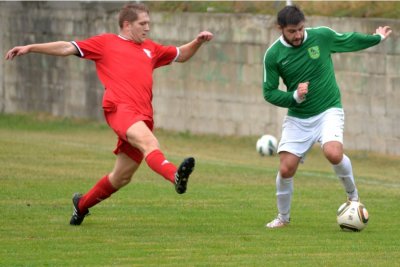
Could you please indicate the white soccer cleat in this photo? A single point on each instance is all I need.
(277, 223)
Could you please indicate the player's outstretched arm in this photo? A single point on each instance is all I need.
(59, 48)
(186, 51)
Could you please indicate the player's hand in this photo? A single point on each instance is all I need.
(17, 51)
(302, 90)
(384, 31)
(204, 36)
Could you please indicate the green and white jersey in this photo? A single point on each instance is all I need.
(311, 62)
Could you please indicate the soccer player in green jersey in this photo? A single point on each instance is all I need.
(302, 58)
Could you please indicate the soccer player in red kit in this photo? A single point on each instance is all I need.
(125, 64)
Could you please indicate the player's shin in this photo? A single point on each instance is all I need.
(344, 171)
(284, 191)
(102, 190)
(158, 163)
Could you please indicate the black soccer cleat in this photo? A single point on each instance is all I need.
(182, 175)
(77, 216)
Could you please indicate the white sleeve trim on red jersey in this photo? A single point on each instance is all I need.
(77, 47)
(177, 54)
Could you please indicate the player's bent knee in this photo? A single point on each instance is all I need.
(335, 158)
(119, 181)
(287, 172)
(122, 182)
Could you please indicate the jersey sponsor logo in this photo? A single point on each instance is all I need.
(148, 52)
(314, 52)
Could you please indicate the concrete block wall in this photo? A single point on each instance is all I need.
(218, 91)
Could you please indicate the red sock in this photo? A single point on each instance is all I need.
(99, 192)
(157, 162)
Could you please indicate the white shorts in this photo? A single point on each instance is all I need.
(299, 135)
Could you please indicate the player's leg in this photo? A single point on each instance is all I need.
(332, 145)
(121, 175)
(341, 164)
(284, 188)
(296, 140)
(140, 135)
(284, 183)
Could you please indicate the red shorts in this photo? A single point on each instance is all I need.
(120, 117)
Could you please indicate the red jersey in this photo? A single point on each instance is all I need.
(125, 68)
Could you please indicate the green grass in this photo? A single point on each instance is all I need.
(218, 222)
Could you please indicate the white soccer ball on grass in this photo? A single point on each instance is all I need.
(352, 216)
(267, 145)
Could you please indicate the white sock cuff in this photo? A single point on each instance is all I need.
(344, 167)
(284, 185)
(345, 161)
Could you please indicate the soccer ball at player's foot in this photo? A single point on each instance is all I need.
(352, 216)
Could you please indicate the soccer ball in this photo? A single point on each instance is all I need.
(267, 145)
(352, 216)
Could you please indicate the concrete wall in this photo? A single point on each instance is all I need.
(218, 91)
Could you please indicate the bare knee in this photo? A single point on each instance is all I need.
(333, 151)
(288, 164)
(123, 171)
(334, 158)
(141, 137)
(119, 180)
(286, 171)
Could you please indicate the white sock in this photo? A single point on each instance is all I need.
(345, 173)
(284, 191)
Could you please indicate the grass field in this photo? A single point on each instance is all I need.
(218, 222)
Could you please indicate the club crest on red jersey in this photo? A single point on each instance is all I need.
(148, 52)
(314, 52)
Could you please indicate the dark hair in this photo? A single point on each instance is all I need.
(130, 12)
(290, 15)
